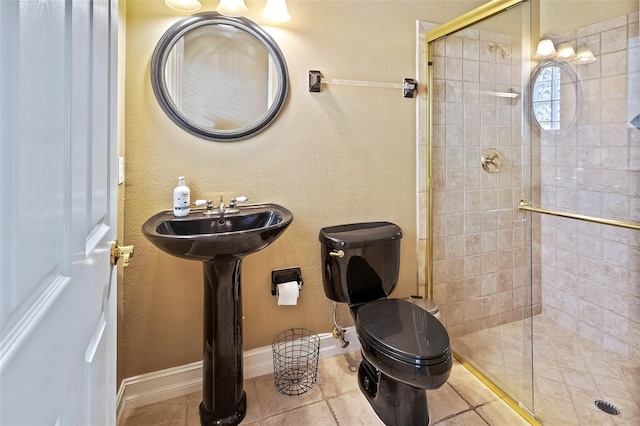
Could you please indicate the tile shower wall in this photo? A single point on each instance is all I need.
(590, 272)
(481, 254)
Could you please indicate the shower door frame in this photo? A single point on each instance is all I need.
(485, 11)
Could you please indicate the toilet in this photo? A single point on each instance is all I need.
(405, 349)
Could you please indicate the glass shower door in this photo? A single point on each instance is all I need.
(481, 247)
(586, 209)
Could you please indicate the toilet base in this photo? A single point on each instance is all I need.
(396, 403)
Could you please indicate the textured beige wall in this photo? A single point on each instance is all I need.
(344, 155)
(122, 49)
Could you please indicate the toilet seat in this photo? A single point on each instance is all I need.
(403, 332)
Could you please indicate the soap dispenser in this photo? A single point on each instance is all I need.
(181, 198)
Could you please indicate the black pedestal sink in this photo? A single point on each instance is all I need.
(220, 241)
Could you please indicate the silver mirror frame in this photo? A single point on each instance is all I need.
(160, 89)
(574, 80)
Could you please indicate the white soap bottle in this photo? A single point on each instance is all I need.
(181, 198)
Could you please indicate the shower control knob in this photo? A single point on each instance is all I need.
(491, 160)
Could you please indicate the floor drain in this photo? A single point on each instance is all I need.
(607, 407)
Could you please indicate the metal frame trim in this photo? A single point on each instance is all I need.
(526, 206)
(428, 273)
(488, 9)
(528, 416)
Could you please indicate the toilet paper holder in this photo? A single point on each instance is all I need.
(280, 276)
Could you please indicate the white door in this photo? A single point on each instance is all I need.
(57, 211)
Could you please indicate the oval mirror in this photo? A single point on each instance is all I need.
(218, 77)
(554, 96)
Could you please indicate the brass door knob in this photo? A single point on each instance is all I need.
(118, 251)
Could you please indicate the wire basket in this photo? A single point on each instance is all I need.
(295, 360)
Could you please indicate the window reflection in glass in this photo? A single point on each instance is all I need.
(554, 96)
(546, 98)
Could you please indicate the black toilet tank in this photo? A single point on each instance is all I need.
(369, 264)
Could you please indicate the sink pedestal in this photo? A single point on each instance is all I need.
(224, 401)
(220, 242)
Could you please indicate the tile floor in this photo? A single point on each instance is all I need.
(570, 372)
(336, 400)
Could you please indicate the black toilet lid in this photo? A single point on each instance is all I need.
(403, 331)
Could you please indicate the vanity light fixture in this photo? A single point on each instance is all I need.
(546, 50)
(184, 5)
(276, 12)
(232, 8)
(584, 56)
(564, 53)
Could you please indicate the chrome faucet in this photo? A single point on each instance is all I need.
(232, 204)
(221, 208)
(209, 206)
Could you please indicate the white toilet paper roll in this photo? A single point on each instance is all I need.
(288, 293)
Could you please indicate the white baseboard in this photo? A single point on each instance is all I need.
(185, 379)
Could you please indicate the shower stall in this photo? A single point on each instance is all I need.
(533, 203)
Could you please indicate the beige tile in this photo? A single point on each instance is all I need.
(546, 366)
(193, 409)
(613, 40)
(469, 387)
(352, 408)
(317, 414)
(572, 361)
(170, 412)
(338, 374)
(254, 408)
(554, 411)
(566, 386)
(499, 413)
(631, 374)
(609, 387)
(271, 402)
(629, 409)
(578, 379)
(553, 420)
(570, 371)
(468, 418)
(580, 397)
(445, 402)
(554, 389)
(589, 417)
